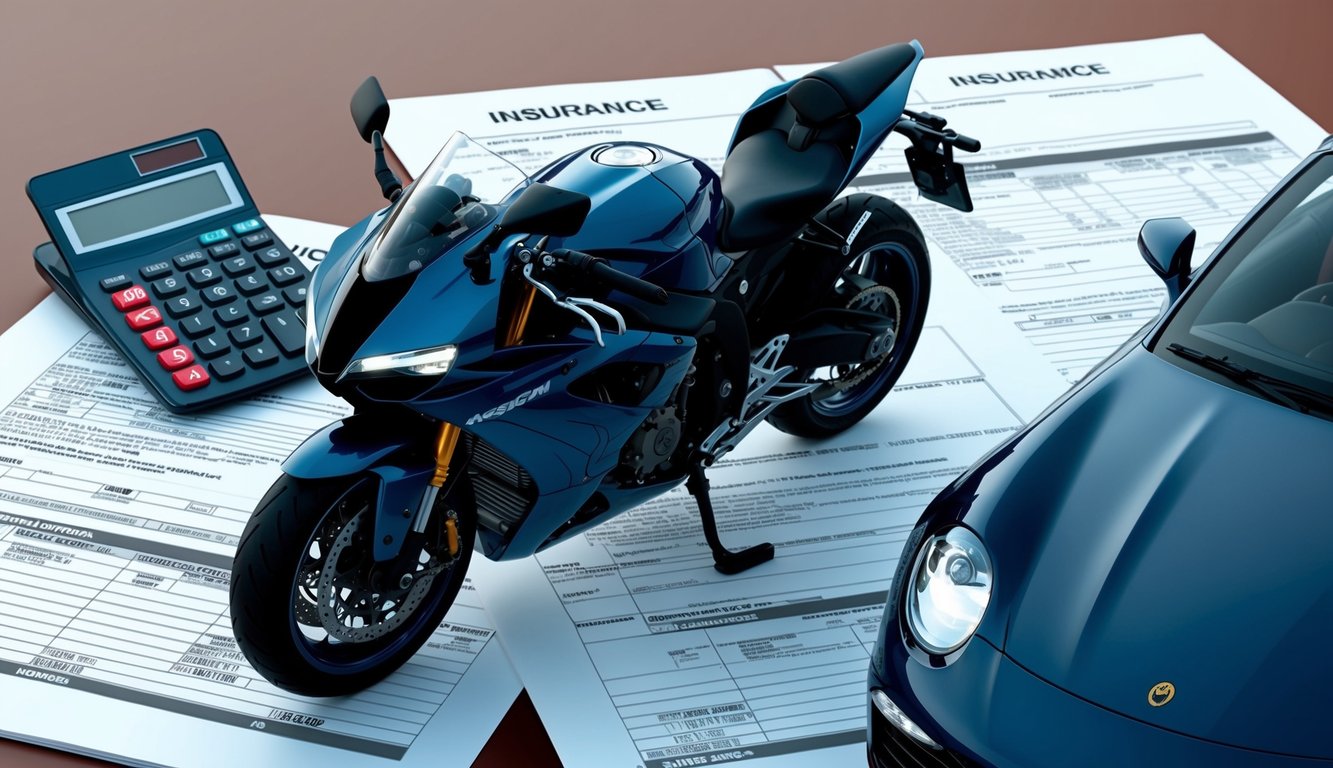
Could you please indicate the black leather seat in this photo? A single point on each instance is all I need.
(770, 189)
(792, 153)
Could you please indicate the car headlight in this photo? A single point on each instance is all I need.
(949, 590)
(421, 362)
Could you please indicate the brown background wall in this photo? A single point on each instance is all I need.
(81, 79)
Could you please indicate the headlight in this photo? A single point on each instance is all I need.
(949, 591)
(422, 362)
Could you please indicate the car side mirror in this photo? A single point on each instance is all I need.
(542, 209)
(1166, 244)
(370, 109)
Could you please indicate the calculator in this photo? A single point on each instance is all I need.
(163, 251)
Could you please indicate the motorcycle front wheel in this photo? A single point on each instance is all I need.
(310, 607)
(887, 272)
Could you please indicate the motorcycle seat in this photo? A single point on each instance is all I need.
(770, 189)
(792, 153)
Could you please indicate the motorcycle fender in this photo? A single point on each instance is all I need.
(346, 447)
(361, 443)
(399, 496)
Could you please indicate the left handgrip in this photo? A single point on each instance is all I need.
(609, 275)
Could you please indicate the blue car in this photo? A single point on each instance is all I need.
(1144, 575)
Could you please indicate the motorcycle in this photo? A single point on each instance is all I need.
(529, 356)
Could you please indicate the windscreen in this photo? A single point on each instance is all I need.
(455, 197)
(1267, 303)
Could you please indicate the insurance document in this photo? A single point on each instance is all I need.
(1080, 146)
(531, 127)
(635, 652)
(117, 525)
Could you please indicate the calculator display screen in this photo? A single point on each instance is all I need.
(149, 208)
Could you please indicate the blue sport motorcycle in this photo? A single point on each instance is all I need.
(530, 356)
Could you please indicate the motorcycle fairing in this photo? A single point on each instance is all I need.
(666, 211)
(567, 443)
(332, 278)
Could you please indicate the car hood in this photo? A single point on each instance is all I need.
(1183, 534)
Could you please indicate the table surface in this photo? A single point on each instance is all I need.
(84, 79)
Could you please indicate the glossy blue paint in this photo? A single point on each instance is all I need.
(1157, 523)
(659, 220)
(345, 447)
(993, 711)
(398, 497)
(636, 220)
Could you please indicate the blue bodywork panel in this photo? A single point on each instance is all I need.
(1127, 552)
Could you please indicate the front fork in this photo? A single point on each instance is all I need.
(445, 443)
(446, 440)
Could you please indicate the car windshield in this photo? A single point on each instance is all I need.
(1267, 302)
(454, 198)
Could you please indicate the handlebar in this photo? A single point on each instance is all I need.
(603, 272)
(927, 129)
(965, 143)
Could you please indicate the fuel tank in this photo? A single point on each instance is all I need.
(654, 212)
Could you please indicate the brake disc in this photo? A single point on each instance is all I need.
(345, 597)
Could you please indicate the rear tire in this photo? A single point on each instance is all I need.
(304, 569)
(889, 252)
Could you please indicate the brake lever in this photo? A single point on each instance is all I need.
(576, 305)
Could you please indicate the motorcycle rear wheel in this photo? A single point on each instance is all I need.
(890, 253)
(312, 611)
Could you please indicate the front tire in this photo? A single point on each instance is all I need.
(888, 271)
(310, 608)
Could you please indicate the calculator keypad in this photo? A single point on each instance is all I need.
(130, 298)
(158, 338)
(190, 378)
(221, 317)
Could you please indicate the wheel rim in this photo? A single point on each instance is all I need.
(847, 388)
(346, 616)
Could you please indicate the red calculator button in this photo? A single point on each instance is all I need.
(131, 298)
(158, 338)
(176, 357)
(144, 318)
(190, 378)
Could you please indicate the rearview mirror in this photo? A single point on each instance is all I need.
(545, 210)
(1166, 244)
(370, 110)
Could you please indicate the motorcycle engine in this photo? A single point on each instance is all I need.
(651, 446)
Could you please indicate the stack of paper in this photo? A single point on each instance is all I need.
(117, 520)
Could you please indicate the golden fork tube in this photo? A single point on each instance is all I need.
(444, 452)
(445, 444)
(518, 322)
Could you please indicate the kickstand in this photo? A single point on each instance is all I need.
(724, 560)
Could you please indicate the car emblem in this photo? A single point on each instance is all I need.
(1160, 694)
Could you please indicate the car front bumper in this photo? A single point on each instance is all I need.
(986, 710)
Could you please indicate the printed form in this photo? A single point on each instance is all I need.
(531, 127)
(647, 656)
(118, 521)
(1080, 147)
(634, 650)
